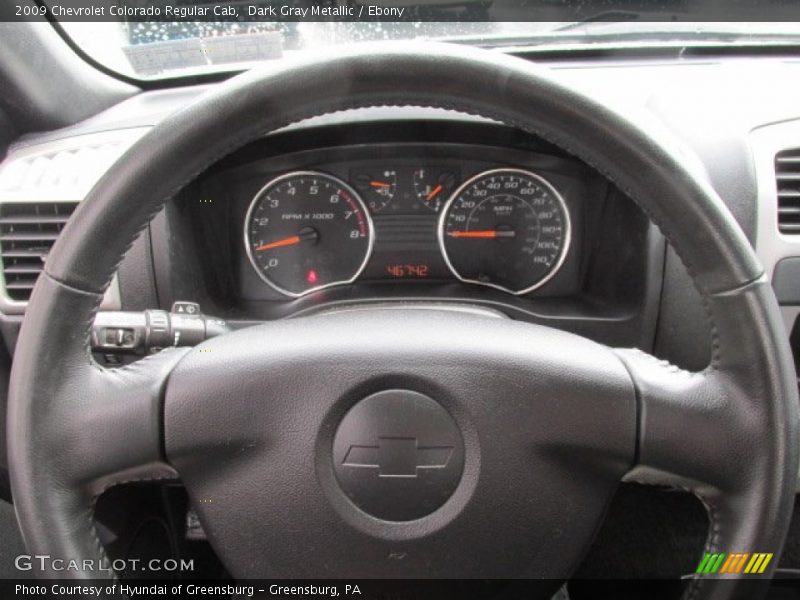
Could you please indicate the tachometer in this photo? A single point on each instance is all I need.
(505, 228)
(305, 231)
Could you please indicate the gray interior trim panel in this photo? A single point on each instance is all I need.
(772, 246)
(62, 170)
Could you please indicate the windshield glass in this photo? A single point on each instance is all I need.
(149, 50)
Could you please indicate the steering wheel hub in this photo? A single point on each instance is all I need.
(398, 455)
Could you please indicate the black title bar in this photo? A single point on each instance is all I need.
(244, 11)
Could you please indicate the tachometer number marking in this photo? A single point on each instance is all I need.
(306, 231)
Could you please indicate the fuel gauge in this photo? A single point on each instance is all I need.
(377, 187)
(432, 186)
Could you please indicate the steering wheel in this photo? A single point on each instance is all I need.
(405, 443)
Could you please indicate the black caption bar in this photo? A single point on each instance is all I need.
(365, 589)
(361, 589)
(244, 11)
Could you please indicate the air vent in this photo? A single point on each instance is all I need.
(27, 232)
(787, 176)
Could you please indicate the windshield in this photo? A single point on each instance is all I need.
(151, 50)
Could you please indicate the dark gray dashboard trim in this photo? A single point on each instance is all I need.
(45, 84)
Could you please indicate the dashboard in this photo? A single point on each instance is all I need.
(609, 275)
(469, 213)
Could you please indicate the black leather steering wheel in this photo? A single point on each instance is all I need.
(543, 424)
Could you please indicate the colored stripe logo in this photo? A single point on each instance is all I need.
(734, 562)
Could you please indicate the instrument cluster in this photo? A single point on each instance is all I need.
(298, 224)
(504, 226)
(313, 224)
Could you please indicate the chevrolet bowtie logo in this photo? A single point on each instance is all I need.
(398, 457)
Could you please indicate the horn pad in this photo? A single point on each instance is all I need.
(398, 455)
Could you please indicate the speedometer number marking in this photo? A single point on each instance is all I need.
(508, 229)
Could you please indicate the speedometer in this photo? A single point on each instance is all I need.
(505, 228)
(306, 231)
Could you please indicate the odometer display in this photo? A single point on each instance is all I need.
(306, 231)
(505, 228)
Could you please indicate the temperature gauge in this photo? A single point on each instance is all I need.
(433, 186)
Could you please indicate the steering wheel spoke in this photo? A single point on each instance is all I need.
(707, 429)
(99, 425)
(689, 430)
(119, 436)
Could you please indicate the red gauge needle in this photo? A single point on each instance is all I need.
(433, 192)
(289, 241)
(380, 184)
(489, 233)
